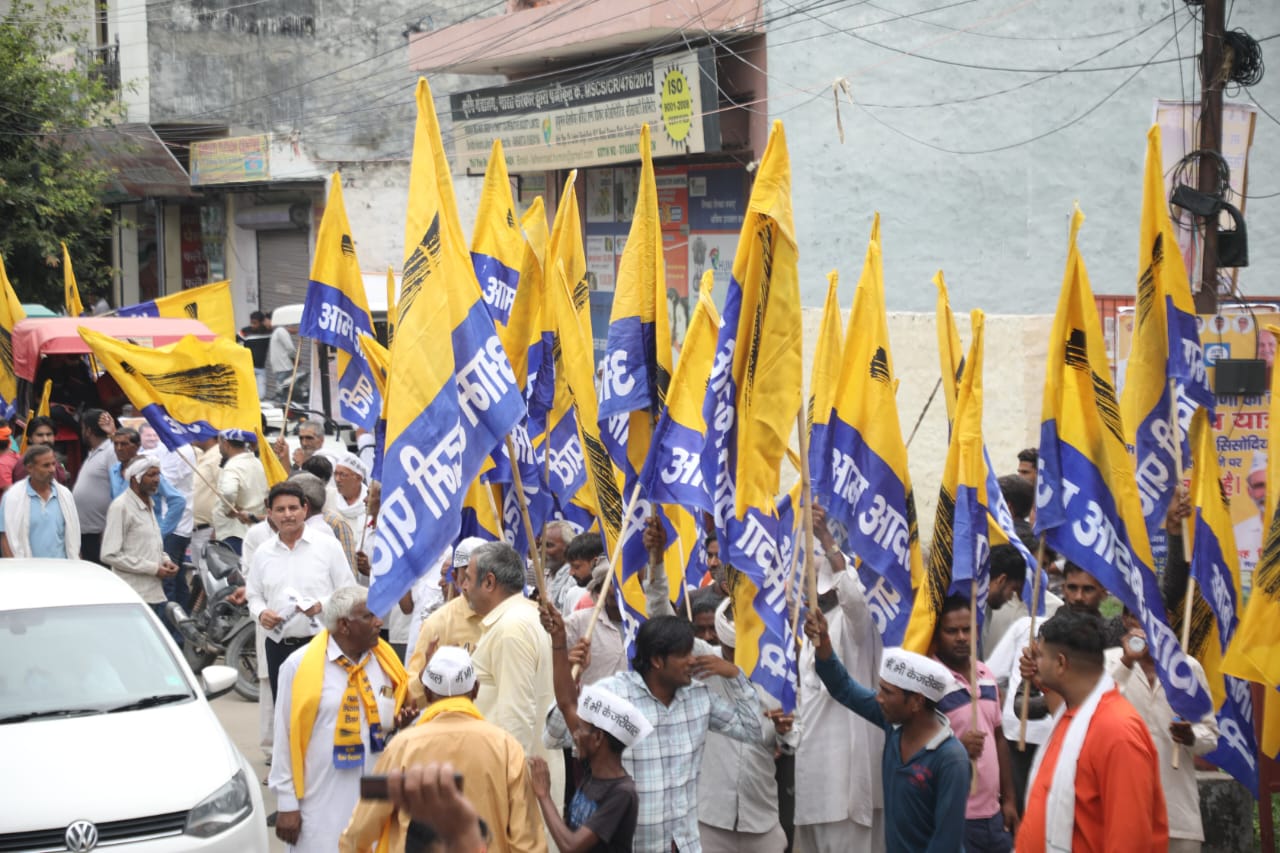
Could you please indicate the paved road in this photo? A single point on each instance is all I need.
(240, 719)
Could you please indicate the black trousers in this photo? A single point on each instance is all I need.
(91, 547)
(277, 653)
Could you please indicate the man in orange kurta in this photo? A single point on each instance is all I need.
(1099, 756)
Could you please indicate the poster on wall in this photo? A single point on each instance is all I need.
(600, 262)
(1240, 420)
(599, 195)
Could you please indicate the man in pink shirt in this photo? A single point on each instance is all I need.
(991, 815)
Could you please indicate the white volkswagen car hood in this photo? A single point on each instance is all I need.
(108, 767)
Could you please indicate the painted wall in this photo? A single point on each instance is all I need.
(995, 222)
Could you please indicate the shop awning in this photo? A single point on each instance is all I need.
(139, 164)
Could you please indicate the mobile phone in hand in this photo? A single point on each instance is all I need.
(375, 787)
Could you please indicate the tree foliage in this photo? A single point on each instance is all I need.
(50, 93)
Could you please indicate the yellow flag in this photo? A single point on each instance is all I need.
(210, 304)
(565, 247)
(271, 466)
(767, 358)
(523, 332)
(827, 358)
(380, 360)
(391, 305)
(950, 352)
(11, 312)
(579, 377)
(70, 291)
(187, 390)
(961, 551)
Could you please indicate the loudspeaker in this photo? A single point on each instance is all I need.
(1239, 376)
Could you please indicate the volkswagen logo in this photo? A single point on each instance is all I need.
(81, 837)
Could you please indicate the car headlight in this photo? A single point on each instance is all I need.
(222, 809)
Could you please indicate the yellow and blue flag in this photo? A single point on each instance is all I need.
(478, 518)
(960, 559)
(188, 390)
(755, 400)
(675, 471)
(71, 291)
(1214, 610)
(1166, 346)
(636, 368)
(872, 506)
(452, 394)
(393, 294)
(1001, 527)
(11, 312)
(497, 246)
(1086, 500)
(1254, 653)
(209, 303)
(823, 377)
(379, 359)
(336, 312)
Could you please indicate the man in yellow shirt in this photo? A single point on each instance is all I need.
(491, 762)
(454, 624)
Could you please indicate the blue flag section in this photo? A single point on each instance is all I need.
(1237, 749)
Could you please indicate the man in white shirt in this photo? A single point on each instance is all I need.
(1134, 672)
(555, 538)
(131, 542)
(243, 487)
(839, 794)
(291, 577)
(737, 791)
(513, 657)
(177, 468)
(281, 353)
(341, 696)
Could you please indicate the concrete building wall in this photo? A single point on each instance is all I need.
(995, 222)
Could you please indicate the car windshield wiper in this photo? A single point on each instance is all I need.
(149, 702)
(56, 712)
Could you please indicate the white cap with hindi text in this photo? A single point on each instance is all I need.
(449, 672)
(915, 673)
(613, 714)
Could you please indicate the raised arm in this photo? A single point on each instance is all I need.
(562, 673)
(849, 693)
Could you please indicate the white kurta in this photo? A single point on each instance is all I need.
(1181, 793)
(330, 795)
(838, 759)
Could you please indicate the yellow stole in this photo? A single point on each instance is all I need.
(449, 705)
(305, 703)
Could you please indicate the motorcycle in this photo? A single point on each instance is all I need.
(218, 626)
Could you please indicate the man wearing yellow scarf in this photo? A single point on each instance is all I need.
(491, 761)
(339, 697)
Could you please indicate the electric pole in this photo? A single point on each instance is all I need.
(1212, 78)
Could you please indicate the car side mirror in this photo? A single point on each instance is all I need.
(216, 680)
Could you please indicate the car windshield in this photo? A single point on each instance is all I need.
(62, 661)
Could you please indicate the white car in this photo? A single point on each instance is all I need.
(108, 739)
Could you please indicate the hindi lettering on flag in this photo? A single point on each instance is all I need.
(336, 312)
(452, 395)
(872, 509)
(1087, 502)
(497, 246)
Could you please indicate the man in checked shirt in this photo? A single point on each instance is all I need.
(681, 709)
